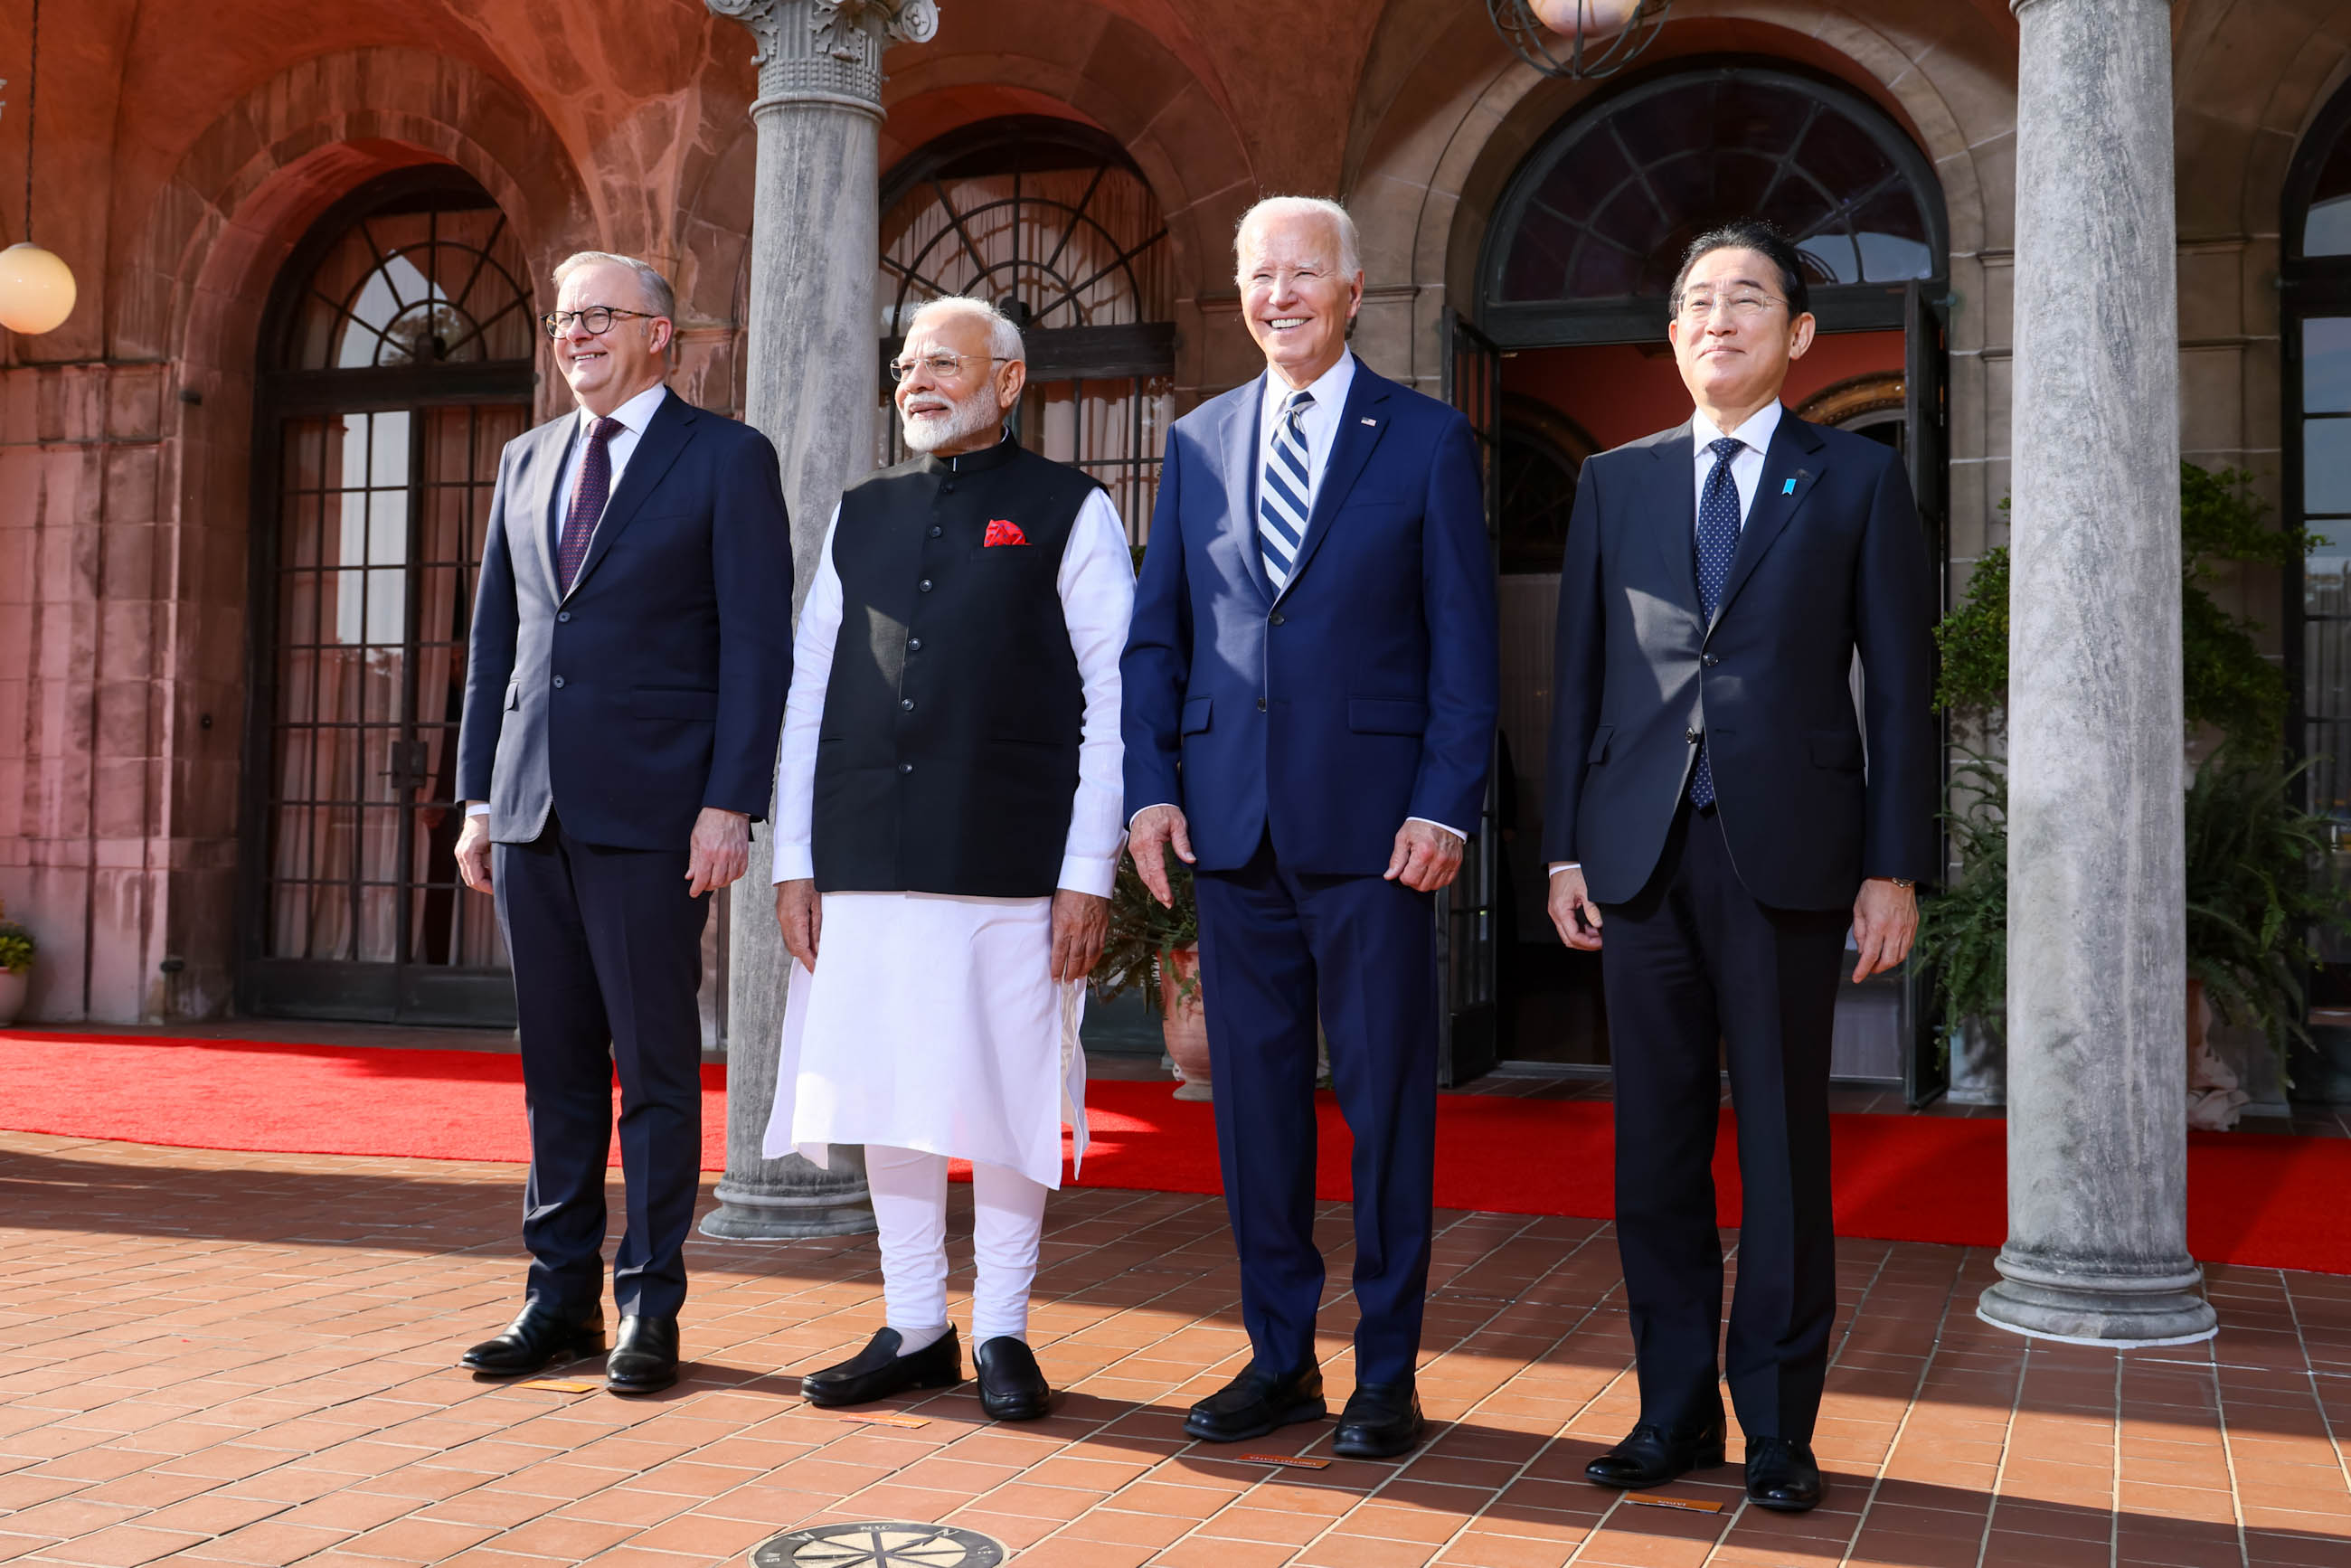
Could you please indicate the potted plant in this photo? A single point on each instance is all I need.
(2256, 887)
(16, 950)
(1156, 947)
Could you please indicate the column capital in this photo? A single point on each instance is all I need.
(827, 51)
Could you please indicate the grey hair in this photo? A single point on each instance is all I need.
(1003, 337)
(1351, 252)
(658, 292)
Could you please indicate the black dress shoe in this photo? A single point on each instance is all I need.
(1381, 1421)
(1653, 1455)
(537, 1339)
(644, 1357)
(1781, 1474)
(879, 1371)
(1254, 1404)
(1011, 1386)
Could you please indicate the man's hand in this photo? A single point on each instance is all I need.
(1885, 919)
(473, 853)
(800, 912)
(1154, 829)
(719, 852)
(1573, 911)
(1081, 922)
(1427, 857)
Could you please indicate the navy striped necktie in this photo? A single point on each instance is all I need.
(1282, 492)
(1718, 541)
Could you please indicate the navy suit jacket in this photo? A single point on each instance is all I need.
(1832, 560)
(1366, 692)
(655, 687)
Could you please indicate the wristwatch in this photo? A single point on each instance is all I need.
(1903, 883)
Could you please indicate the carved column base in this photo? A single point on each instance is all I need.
(2120, 1309)
(806, 1201)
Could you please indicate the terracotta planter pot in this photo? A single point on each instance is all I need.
(1184, 1021)
(13, 983)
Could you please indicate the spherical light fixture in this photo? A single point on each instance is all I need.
(1578, 39)
(36, 290)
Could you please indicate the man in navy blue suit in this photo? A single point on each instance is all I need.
(624, 696)
(1311, 690)
(1716, 805)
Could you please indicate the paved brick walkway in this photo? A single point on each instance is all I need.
(245, 1358)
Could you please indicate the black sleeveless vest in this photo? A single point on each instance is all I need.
(947, 757)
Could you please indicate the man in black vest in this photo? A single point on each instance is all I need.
(948, 824)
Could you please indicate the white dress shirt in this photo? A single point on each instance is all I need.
(1746, 473)
(633, 416)
(1319, 426)
(1097, 587)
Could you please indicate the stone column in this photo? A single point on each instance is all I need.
(813, 384)
(2097, 1144)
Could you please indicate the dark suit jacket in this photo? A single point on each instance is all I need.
(1366, 692)
(1838, 564)
(655, 687)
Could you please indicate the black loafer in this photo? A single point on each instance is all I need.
(538, 1338)
(1011, 1386)
(1254, 1404)
(879, 1371)
(1783, 1475)
(1653, 1455)
(1381, 1421)
(644, 1357)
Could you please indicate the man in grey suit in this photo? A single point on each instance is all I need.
(625, 695)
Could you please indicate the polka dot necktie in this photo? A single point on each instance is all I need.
(1718, 541)
(587, 497)
(1281, 495)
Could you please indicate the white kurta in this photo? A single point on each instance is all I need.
(932, 1021)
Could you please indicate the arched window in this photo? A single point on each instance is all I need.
(1597, 217)
(1050, 220)
(396, 361)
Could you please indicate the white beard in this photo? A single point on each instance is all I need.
(975, 414)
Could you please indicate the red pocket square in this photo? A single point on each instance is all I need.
(1000, 532)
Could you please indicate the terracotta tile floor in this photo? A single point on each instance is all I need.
(245, 1359)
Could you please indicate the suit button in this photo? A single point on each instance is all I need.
(924, 585)
(1712, 660)
(907, 704)
(559, 683)
(563, 615)
(937, 530)
(1260, 702)
(905, 768)
(913, 644)
(1692, 736)
(947, 488)
(1275, 618)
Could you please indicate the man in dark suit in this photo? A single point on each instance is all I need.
(1715, 805)
(1310, 689)
(625, 695)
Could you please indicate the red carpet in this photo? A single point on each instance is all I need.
(2252, 1197)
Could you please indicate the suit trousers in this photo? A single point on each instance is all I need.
(1691, 967)
(1278, 949)
(606, 951)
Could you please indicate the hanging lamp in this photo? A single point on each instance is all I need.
(37, 288)
(1601, 37)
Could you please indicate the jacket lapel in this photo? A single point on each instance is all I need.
(1240, 480)
(1362, 422)
(666, 434)
(1675, 520)
(1791, 467)
(542, 494)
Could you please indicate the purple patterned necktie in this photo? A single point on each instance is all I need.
(1718, 541)
(587, 498)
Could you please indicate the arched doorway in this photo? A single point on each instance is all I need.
(396, 360)
(2315, 329)
(1570, 329)
(1052, 221)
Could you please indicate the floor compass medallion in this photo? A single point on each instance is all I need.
(882, 1544)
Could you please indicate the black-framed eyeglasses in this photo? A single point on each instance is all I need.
(941, 364)
(597, 318)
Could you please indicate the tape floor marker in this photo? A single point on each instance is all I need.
(1287, 1461)
(1687, 1504)
(561, 1385)
(885, 1420)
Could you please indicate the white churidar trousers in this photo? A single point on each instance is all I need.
(910, 1209)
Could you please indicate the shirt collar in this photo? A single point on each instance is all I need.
(1330, 387)
(633, 415)
(1756, 432)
